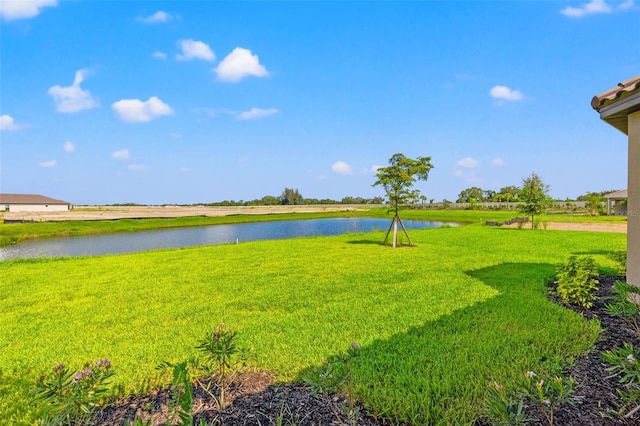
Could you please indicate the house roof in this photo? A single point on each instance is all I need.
(28, 199)
(618, 195)
(616, 104)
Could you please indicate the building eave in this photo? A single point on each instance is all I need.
(616, 104)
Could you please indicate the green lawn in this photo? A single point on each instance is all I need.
(435, 322)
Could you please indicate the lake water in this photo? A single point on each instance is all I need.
(92, 245)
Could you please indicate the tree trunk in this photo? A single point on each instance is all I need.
(395, 231)
(394, 225)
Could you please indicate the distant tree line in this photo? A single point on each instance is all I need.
(475, 194)
(293, 197)
(470, 196)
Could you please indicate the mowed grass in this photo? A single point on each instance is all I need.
(435, 321)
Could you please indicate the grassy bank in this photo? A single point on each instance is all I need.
(15, 233)
(435, 322)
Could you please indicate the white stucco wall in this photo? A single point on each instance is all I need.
(17, 208)
(633, 204)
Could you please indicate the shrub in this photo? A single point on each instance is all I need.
(503, 406)
(548, 393)
(576, 281)
(73, 396)
(626, 304)
(507, 405)
(624, 364)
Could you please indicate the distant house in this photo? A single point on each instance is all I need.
(16, 203)
(617, 200)
(620, 107)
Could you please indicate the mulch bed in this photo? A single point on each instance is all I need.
(251, 399)
(600, 401)
(256, 400)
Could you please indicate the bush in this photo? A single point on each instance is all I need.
(72, 397)
(576, 281)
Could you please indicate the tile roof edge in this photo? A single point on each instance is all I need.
(623, 89)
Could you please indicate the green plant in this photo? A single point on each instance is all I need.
(625, 365)
(72, 397)
(626, 304)
(576, 281)
(285, 411)
(504, 406)
(219, 348)
(548, 393)
(181, 404)
(334, 373)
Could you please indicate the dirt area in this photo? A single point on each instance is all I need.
(574, 226)
(147, 212)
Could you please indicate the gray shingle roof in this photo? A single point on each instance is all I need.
(28, 199)
(617, 195)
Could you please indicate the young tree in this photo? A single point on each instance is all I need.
(594, 204)
(397, 179)
(533, 196)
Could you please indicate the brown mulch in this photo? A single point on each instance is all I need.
(254, 399)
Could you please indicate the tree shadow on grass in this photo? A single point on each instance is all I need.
(374, 242)
(434, 373)
(437, 373)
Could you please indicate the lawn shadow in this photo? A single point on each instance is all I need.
(436, 373)
(378, 242)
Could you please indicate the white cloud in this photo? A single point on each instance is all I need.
(497, 162)
(184, 169)
(72, 98)
(239, 64)
(458, 173)
(8, 124)
(591, 8)
(123, 154)
(375, 167)
(19, 9)
(192, 49)
(503, 92)
(156, 18)
(341, 168)
(159, 55)
(255, 113)
(69, 146)
(468, 162)
(50, 163)
(626, 5)
(137, 111)
(138, 167)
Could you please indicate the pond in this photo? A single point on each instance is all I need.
(92, 245)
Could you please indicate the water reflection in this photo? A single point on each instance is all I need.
(197, 236)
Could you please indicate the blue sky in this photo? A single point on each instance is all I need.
(198, 101)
